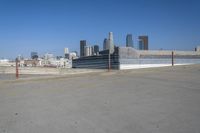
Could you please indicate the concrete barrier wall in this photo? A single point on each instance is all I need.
(130, 58)
(146, 63)
(167, 52)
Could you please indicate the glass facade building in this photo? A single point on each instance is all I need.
(129, 40)
(143, 43)
(105, 44)
(82, 48)
(96, 49)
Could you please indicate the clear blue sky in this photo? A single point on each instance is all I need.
(50, 25)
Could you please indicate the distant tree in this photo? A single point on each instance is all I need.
(35, 57)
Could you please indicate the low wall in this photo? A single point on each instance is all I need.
(133, 59)
(147, 63)
(130, 58)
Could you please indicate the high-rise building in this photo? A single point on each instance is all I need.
(143, 43)
(111, 42)
(82, 48)
(129, 40)
(105, 44)
(88, 51)
(96, 49)
(66, 53)
(66, 50)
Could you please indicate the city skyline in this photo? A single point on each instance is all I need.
(49, 26)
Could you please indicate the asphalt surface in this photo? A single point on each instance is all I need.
(156, 100)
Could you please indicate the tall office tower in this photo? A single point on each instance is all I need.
(96, 49)
(111, 42)
(88, 51)
(143, 43)
(82, 48)
(66, 53)
(129, 40)
(66, 50)
(92, 50)
(105, 44)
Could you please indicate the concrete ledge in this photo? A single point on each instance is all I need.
(137, 66)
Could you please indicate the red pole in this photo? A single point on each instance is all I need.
(17, 71)
(172, 58)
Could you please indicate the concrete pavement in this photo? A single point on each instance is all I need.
(155, 100)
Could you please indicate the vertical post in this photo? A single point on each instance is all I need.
(109, 61)
(172, 58)
(17, 71)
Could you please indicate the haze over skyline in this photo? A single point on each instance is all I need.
(50, 25)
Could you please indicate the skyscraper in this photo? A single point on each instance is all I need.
(66, 50)
(105, 44)
(143, 43)
(129, 40)
(110, 42)
(88, 51)
(82, 48)
(96, 49)
(66, 53)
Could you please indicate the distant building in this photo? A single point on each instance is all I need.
(75, 52)
(34, 55)
(67, 56)
(58, 57)
(66, 53)
(32, 63)
(88, 50)
(66, 50)
(20, 57)
(143, 43)
(197, 49)
(82, 48)
(71, 55)
(96, 50)
(48, 56)
(105, 44)
(129, 40)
